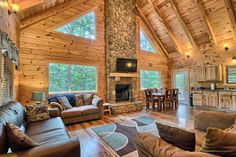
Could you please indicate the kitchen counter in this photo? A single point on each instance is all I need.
(215, 90)
(219, 98)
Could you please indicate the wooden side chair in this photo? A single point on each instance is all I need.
(148, 97)
(175, 98)
(168, 98)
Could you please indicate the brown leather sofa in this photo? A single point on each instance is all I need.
(149, 145)
(51, 135)
(78, 113)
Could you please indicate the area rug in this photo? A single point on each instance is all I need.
(120, 136)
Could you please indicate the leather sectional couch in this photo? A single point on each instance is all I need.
(78, 113)
(149, 145)
(51, 134)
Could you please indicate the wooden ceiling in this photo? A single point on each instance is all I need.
(32, 7)
(179, 26)
(186, 25)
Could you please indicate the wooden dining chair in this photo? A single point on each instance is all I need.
(168, 98)
(148, 97)
(175, 98)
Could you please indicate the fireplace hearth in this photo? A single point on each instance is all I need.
(123, 92)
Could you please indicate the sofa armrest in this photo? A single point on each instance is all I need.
(149, 145)
(56, 105)
(220, 120)
(68, 148)
(98, 102)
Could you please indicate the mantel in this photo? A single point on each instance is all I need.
(123, 75)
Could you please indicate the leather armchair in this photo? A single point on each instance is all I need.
(68, 148)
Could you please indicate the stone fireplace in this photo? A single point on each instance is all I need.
(123, 92)
(120, 43)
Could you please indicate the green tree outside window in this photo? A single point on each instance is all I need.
(145, 44)
(85, 27)
(68, 77)
(149, 79)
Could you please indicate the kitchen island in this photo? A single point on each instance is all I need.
(218, 99)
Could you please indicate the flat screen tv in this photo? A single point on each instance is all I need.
(126, 65)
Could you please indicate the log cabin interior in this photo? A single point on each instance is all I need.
(109, 78)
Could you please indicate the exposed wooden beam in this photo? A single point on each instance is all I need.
(146, 23)
(166, 27)
(183, 24)
(206, 21)
(231, 14)
(49, 12)
(24, 4)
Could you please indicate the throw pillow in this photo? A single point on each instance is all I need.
(64, 102)
(88, 98)
(79, 100)
(177, 137)
(36, 113)
(219, 142)
(17, 139)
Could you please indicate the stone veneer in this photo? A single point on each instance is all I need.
(120, 40)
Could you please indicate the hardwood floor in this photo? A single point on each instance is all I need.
(93, 146)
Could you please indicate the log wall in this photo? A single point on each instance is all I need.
(40, 45)
(10, 25)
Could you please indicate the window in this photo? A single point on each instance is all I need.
(149, 79)
(85, 27)
(145, 44)
(68, 77)
(231, 74)
(6, 77)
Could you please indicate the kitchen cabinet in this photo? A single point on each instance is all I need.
(225, 100)
(199, 73)
(213, 73)
(218, 99)
(210, 99)
(233, 104)
(208, 73)
(197, 98)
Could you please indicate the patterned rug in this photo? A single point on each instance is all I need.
(120, 136)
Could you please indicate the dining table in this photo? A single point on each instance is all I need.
(159, 96)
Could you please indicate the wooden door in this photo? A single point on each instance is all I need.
(197, 98)
(225, 100)
(233, 104)
(210, 99)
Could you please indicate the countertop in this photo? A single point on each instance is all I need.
(216, 90)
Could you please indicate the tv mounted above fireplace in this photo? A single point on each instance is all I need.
(126, 65)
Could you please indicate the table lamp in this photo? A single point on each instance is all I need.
(38, 97)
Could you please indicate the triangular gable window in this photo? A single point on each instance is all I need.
(84, 26)
(145, 44)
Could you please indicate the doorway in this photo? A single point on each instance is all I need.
(180, 80)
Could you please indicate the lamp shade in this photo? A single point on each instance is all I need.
(38, 96)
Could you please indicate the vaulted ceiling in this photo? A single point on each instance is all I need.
(178, 26)
(186, 25)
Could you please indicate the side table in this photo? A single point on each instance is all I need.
(107, 108)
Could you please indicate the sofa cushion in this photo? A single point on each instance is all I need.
(220, 142)
(88, 98)
(64, 102)
(70, 97)
(79, 100)
(73, 112)
(17, 139)
(50, 136)
(88, 109)
(44, 126)
(11, 112)
(36, 113)
(177, 137)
